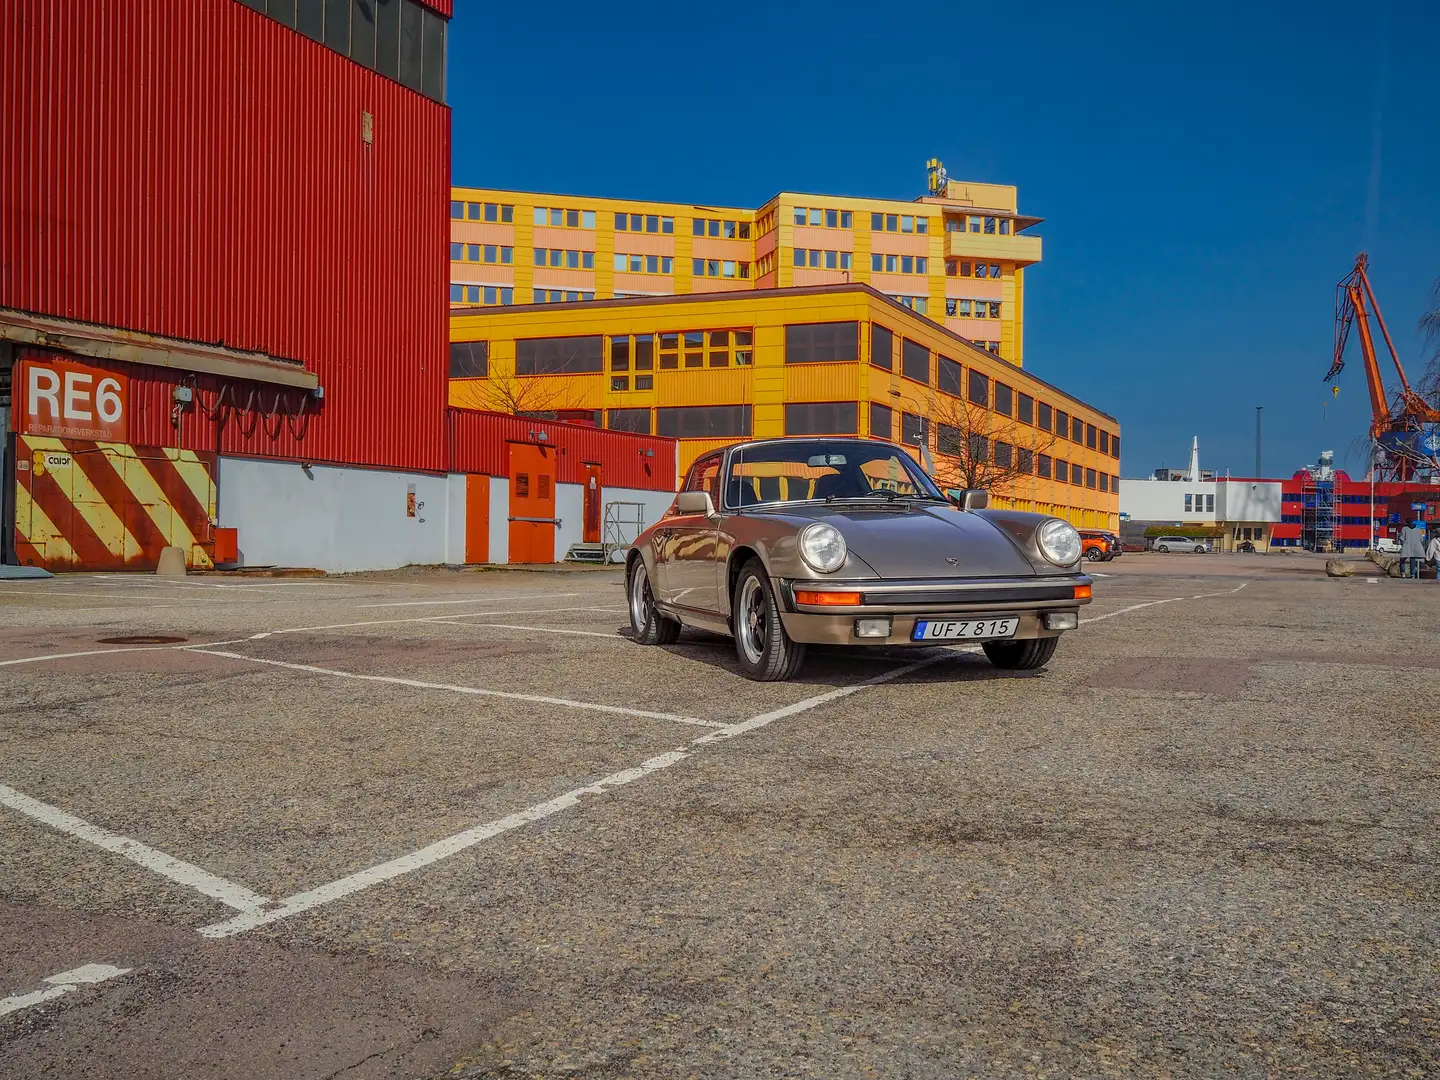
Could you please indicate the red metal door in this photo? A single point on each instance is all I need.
(532, 503)
(594, 500)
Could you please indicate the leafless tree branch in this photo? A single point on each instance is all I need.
(967, 437)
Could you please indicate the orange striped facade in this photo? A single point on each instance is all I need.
(110, 506)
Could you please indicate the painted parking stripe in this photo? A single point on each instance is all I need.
(478, 600)
(537, 629)
(443, 849)
(538, 699)
(167, 866)
(62, 984)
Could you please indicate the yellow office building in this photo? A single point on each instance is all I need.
(957, 255)
(711, 367)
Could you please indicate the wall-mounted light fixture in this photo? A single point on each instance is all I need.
(539, 436)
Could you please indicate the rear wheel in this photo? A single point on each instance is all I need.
(765, 651)
(1163, 548)
(1021, 655)
(646, 623)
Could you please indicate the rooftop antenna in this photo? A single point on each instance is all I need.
(935, 171)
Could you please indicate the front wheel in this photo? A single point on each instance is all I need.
(1021, 655)
(1093, 554)
(646, 623)
(1163, 548)
(1199, 549)
(765, 651)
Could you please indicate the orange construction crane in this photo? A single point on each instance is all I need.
(1403, 428)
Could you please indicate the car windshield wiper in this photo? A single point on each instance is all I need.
(886, 494)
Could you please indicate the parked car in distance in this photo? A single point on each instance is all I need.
(784, 543)
(1099, 546)
(1387, 545)
(1185, 544)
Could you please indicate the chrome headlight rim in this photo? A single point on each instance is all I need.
(821, 533)
(1059, 542)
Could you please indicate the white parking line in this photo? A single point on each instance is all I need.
(538, 629)
(61, 984)
(590, 706)
(177, 870)
(1155, 603)
(479, 600)
(443, 849)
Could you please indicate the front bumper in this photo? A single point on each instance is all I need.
(903, 602)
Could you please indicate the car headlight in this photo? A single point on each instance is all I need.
(1059, 542)
(823, 547)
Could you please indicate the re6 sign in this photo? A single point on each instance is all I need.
(72, 401)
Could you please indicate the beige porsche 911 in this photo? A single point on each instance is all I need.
(831, 541)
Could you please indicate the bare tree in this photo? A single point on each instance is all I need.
(506, 392)
(977, 448)
(1430, 328)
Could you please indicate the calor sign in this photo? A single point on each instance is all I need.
(69, 400)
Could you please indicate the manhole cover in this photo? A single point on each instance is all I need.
(141, 639)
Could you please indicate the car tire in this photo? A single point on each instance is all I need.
(1093, 554)
(647, 625)
(1163, 548)
(765, 651)
(1020, 655)
(1199, 549)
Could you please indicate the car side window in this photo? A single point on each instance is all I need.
(705, 476)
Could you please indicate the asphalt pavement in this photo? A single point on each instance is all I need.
(441, 823)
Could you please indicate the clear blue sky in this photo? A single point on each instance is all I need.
(1206, 175)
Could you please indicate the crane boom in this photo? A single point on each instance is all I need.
(1392, 424)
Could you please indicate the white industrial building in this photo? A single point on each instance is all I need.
(1238, 509)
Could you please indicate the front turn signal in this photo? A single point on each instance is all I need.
(827, 599)
(1082, 592)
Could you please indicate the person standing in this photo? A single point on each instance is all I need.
(1432, 552)
(1412, 549)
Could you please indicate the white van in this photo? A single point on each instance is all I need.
(1185, 544)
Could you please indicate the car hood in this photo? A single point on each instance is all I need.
(915, 541)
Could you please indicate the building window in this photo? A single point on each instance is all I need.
(882, 347)
(632, 420)
(1104, 442)
(703, 421)
(914, 430)
(560, 356)
(469, 359)
(881, 424)
(1004, 455)
(1026, 414)
(1062, 471)
(821, 418)
(1104, 481)
(950, 376)
(818, 343)
(947, 439)
(979, 388)
(1024, 460)
(1209, 504)
(1042, 466)
(1004, 399)
(1045, 421)
(1077, 430)
(1091, 436)
(1090, 478)
(979, 449)
(914, 361)
(1062, 424)
(918, 304)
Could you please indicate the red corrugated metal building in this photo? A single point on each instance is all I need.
(223, 243)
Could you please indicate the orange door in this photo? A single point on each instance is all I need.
(532, 503)
(593, 501)
(477, 519)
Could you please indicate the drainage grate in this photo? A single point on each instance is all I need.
(141, 639)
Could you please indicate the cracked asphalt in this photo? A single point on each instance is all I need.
(492, 837)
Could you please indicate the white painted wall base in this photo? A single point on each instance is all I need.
(344, 520)
(336, 519)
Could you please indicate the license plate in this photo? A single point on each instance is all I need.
(948, 629)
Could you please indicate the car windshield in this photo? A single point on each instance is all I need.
(811, 470)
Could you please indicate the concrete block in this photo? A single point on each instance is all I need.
(172, 563)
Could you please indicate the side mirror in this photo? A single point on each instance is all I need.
(969, 498)
(695, 502)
